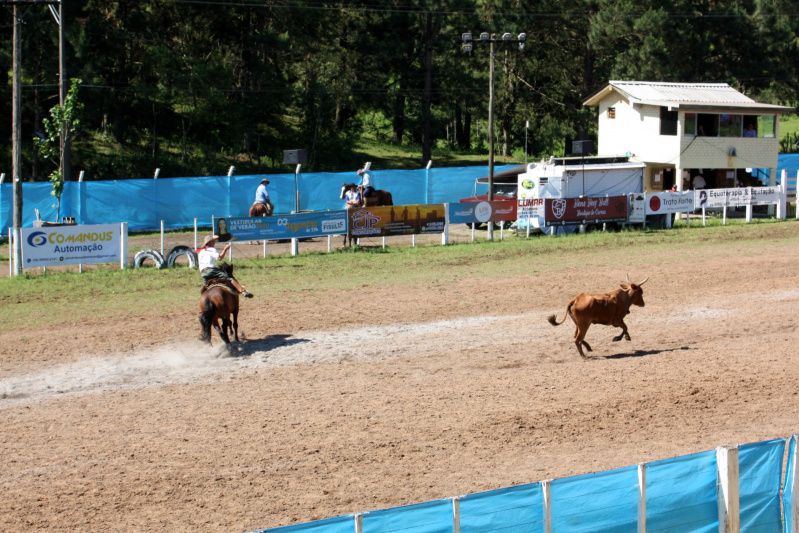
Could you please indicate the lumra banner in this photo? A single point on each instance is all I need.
(71, 245)
(386, 221)
(559, 211)
(300, 225)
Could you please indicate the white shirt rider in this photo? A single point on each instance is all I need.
(261, 194)
(207, 257)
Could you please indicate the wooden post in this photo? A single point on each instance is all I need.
(195, 234)
(10, 246)
(547, 496)
(413, 241)
(162, 237)
(794, 503)
(473, 225)
(729, 501)
(329, 243)
(384, 241)
(783, 201)
(264, 248)
(456, 515)
(123, 245)
(642, 498)
(359, 523)
(704, 216)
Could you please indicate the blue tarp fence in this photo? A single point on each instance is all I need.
(143, 203)
(680, 494)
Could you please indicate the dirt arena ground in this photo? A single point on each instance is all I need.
(442, 389)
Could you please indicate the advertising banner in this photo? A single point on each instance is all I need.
(559, 211)
(481, 212)
(637, 210)
(70, 245)
(386, 221)
(289, 226)
(660, 203)
(530, 211)
(740, 196)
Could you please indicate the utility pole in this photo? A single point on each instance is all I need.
(16, 142)
(63, 87)
(16, 127)
(485, 38)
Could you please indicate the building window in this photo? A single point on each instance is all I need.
(730, 125)
(707, 125)
(668, 121)
(611, 112)
(690, 124)
(766, 125)
(750, 125)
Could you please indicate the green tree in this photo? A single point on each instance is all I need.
(62, 124)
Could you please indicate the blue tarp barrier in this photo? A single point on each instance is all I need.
(681, 494)
(338, 524)
(759, 473)
(787, 490)
(428, 517)
(143, 203)
(605, 501)
(507, 510)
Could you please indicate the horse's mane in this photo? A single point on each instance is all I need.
(227, 268)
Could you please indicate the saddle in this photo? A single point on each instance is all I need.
(218, 283)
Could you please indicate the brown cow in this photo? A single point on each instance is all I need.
(608, 309)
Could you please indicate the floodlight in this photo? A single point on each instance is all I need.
(484, 36)
(466, 37)
(506, 36)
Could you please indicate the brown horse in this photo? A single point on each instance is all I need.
(220, 302)
(261, 210)
(378, 196)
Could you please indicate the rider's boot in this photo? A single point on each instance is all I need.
(239, 287)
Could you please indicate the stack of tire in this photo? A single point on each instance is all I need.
(144, 257)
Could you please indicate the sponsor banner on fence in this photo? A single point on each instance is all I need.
(70, 245)
(660, 203)
(637, 209)
(558, 211)
(397, 220)
(289, 226)
(739, 196)
(481, 212)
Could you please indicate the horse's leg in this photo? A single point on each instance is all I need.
(224, 330)
(236, 325)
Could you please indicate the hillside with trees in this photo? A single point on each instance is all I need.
(192, 86)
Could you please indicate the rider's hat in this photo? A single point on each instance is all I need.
(266, 181)
(210, 239)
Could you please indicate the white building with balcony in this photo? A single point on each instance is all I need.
(688, 130)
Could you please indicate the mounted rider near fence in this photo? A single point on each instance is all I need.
(262, 207)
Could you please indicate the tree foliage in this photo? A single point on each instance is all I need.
(193, 86)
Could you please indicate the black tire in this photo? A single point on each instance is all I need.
(153, 255)
(176, 252)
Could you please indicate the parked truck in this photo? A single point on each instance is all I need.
(573, 177)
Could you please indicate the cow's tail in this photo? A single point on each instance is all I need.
(553, 319)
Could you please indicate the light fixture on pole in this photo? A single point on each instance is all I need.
(467, 45)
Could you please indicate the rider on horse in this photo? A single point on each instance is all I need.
(365, 186)
(262, 197)
(216, 274)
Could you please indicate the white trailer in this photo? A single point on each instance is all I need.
(573, 177)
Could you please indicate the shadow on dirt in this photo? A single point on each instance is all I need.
(643, 353)
(251, 346)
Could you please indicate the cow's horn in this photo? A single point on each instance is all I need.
(628, 278)
(645, 280)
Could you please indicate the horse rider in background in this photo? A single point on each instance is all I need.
(262, 196)
(365, 186)
(212, 272)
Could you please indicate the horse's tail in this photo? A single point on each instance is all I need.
(553, 319)
(207, 313)
(389, 199)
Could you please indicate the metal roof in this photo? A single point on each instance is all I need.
(680, 95)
